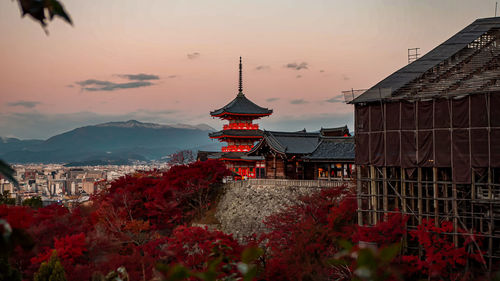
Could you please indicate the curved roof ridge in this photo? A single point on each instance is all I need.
(318, 145)
(273, 141)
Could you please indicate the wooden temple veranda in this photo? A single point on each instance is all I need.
(428, 140)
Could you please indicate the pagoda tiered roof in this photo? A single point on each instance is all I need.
(241, 105)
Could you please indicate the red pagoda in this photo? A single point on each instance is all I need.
(241, 133)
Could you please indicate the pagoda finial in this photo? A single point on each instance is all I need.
(240, 88)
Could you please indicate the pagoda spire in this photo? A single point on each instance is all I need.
(240, 87)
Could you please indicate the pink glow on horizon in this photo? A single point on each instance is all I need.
(345, 45)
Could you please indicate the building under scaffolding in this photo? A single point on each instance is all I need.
(428, 139)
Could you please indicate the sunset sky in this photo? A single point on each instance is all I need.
(168, 62)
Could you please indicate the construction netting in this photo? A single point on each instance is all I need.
(461, 133)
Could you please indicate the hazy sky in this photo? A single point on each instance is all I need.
(174, 61)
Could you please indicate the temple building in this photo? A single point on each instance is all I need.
(240, 133)
(324, 155)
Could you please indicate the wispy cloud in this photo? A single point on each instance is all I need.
(93, 85)
(172, 76)
(263, 67)
(298, 76)
(297, 66)
(139, 77)
(345, 77)
(26, 104)
(193, 56)
(336, 99)
(272, 99)
(298, 101)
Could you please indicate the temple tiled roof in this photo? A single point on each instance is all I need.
(335, 132)
(290, 142)
(333, 148)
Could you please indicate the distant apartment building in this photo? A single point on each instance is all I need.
(88, 185)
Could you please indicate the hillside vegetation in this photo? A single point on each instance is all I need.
(140, 228)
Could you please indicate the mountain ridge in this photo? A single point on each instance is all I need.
(148, 141)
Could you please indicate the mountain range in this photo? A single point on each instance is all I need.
(113, 142)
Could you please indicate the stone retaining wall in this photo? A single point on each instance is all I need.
(245, 204)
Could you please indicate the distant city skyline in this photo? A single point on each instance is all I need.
(173, 62)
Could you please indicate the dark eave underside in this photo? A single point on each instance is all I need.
(234, 156)
(236, 133)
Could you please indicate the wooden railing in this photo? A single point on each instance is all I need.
(241, 126)
(289, 183)
(237, 148)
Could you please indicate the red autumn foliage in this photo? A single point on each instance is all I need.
(71, 250)
(193, 246)
(17, 216)
(68, 248)
(141, 219)
(384, 233)
(126, 225)
(164, 199)
(47, 224)
(440, 259)
(196, 181)
(303, 237)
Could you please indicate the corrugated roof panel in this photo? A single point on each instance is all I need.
(410, 72)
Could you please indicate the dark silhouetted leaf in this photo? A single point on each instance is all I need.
(8, 172)
(38, 10)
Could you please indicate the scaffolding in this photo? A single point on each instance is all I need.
(413, 54)
(428, 141)
(429, 193)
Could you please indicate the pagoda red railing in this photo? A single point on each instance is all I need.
(241, 126)
(236, 148)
